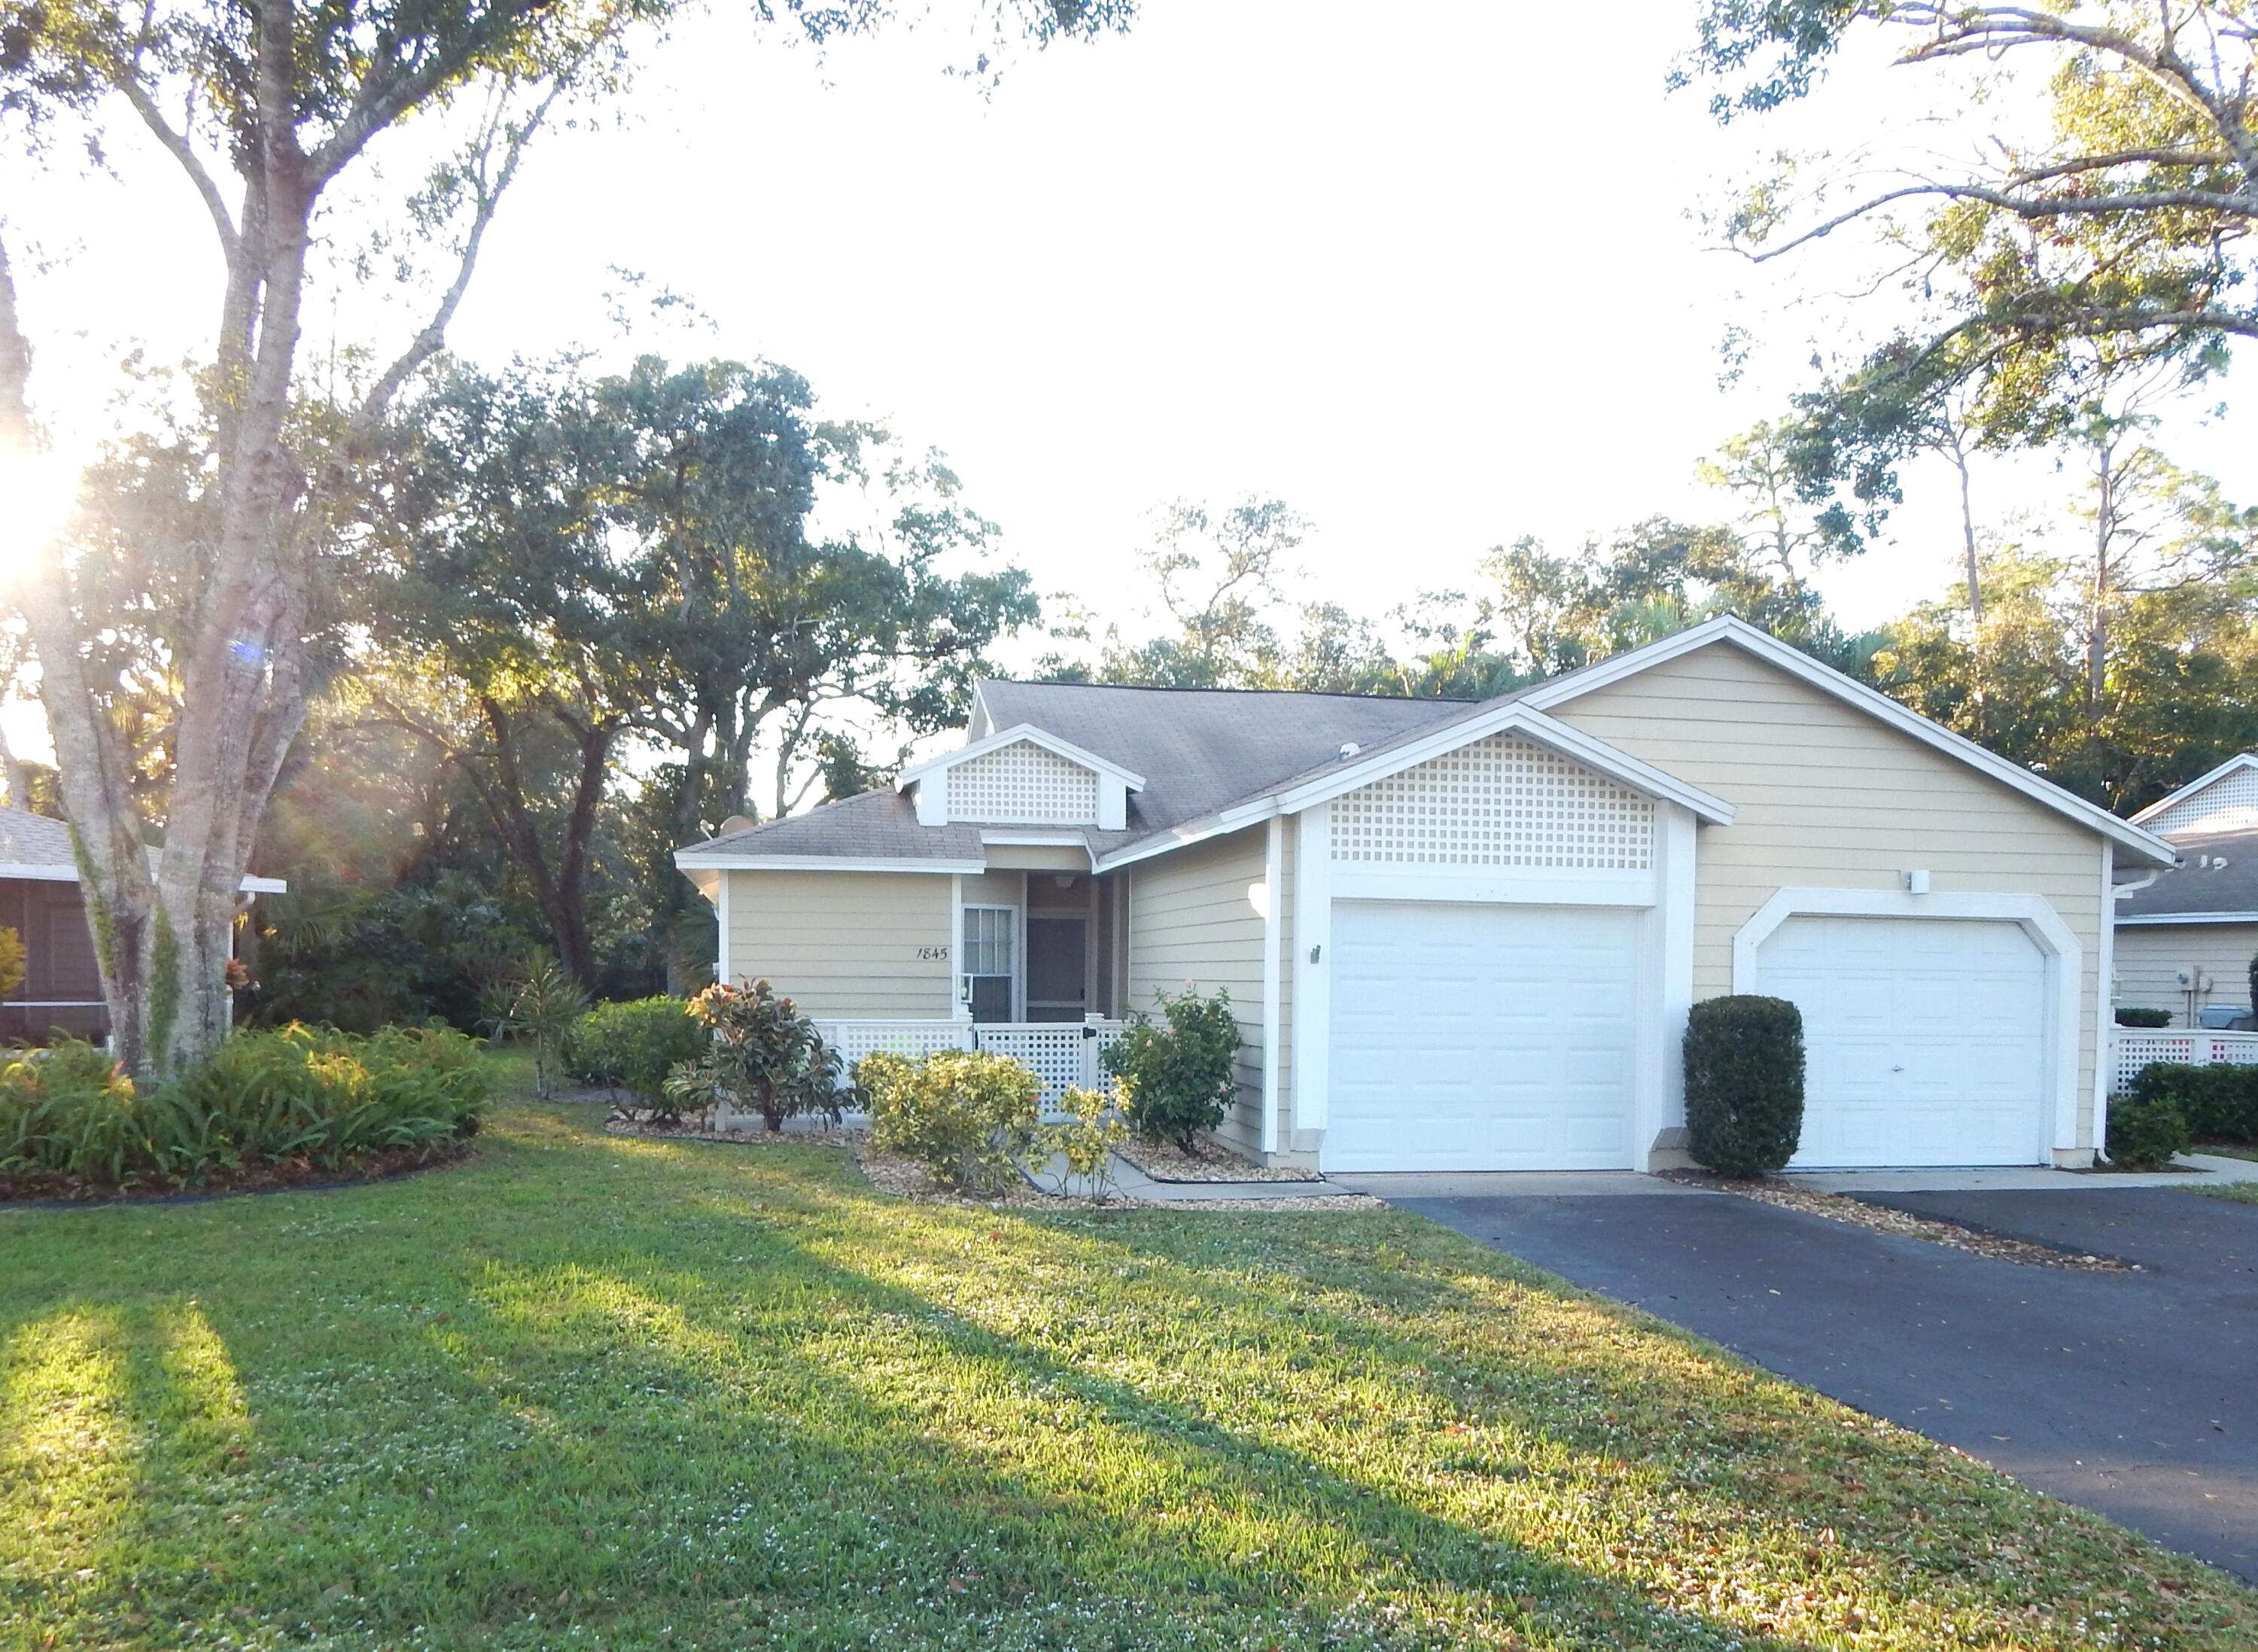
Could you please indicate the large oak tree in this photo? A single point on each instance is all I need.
(268, 110)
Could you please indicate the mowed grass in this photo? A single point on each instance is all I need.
(588, 1392)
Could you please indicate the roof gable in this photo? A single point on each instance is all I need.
(2224, 800)
(1736, 632)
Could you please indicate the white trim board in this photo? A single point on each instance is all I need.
(686, 861)
(64, 872)
(2232, 765)
(2187, 917)
(1750, 640)
(2065, 962)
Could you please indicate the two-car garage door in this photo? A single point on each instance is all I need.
(1471, 1036)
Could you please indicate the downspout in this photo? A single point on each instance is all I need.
(1274, 856)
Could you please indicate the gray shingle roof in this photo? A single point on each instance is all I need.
(2218, 873)
(1199, 749)
(33, 839)
(875, 826)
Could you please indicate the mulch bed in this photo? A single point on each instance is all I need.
(1166, 1161)
(1842, 1207)
(290, 1176)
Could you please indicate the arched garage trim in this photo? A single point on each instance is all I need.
(2065, 962)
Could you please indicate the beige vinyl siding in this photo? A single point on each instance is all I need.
(1828, 796)
(1190, 920)
(2149, 955)
(845, 944)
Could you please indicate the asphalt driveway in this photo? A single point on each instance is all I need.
(2136, 1395)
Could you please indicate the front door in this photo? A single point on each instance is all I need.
(1058, 988)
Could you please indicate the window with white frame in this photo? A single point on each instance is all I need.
(986, 960)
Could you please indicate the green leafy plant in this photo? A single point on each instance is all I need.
(2134, 1015)
(632, 1045)
(761, 1054)
(298, 1093)
(2146, 1134)
(964, 1115)
(1743, 1083)
(1086, 1138)
(2220, 1102)
(12, 962)
(539, 1001)
(1178, 1075)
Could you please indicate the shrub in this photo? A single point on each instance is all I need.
(301, 1094)
(1178, 1075)
(1087, 1138)
(2220, 1103)
(632, 1046)
(2145, 1134)
(1743, 1083)
(761, 1054)
(2133, 1016)
(964, 1115)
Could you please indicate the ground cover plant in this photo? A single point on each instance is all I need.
(293, 1100)
(631, 1393)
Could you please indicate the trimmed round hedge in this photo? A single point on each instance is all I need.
(1743, 1083)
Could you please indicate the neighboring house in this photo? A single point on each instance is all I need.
(61, 990)
(1466, 936)
(2185, 938)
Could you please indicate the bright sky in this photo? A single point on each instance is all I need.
(1428, 274)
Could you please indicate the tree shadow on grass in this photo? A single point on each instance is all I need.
(640, 1387)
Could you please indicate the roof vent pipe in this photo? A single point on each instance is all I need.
(1349, 748)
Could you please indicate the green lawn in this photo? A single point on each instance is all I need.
(595, 1392)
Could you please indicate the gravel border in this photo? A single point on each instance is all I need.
(839, 1137)
(1857, 1213)
(906, 1179)
(1165, 1161)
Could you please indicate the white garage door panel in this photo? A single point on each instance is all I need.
(1923, 1039)
(1480, 1037)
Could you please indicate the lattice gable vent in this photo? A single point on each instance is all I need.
(1502, 801)
(1022, 784)
(2229, 804)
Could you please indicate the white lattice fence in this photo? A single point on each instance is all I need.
(2133, 1048)
(1063, 1054)
(1503, 801)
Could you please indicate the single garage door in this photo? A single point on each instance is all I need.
(1480, 1037)
(1924, 1038)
